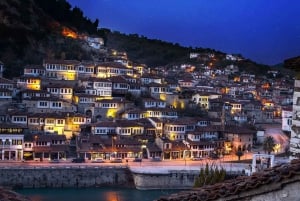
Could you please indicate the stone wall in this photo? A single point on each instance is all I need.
(173, 180)
(63, 177)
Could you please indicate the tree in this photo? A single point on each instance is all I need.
(269, 144)
(239, 154)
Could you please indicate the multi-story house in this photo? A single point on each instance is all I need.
(286, 116)
(74, 123)
(49, 147)
(187, 83)
(35, 122)
(129, 128)
(110, 108)
(7, 90)
(295, 129)
(85, 103)
(120, 86)
(63, 91)
(104, 128)
(110, 69)
(85, 69)
(253, 110)
(18, 118)
(175, 129)
(172, 149)
(101, 87)
(140, 68)
(48, 105)
(150, 78)
(241, 138)
(159, 91)
(158, 124)
(165, 113)
(29, 93)
(29, 82)
(205, 141)
(236, 107)
(11, 141)
(61, 69)
(96, 146)
(34, 70)
(153, 103)
(133, 114)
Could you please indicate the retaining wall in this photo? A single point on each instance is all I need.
(65, 177)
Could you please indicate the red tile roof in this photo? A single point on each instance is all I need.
(244, 187)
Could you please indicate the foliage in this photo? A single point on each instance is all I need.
(269, 144)
(239, 153)
(32, 32)
(209, 176)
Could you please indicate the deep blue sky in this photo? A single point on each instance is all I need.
(266, 31)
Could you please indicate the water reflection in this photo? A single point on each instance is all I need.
(94, 194)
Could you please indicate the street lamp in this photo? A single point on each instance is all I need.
(113, 137)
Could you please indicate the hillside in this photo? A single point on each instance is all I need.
(31, 30)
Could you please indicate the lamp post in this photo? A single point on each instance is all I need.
(113, 137)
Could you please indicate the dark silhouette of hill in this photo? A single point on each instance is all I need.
(31, 30)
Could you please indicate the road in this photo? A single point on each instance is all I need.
(145, 165)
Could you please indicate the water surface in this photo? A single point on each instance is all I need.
(94, 194)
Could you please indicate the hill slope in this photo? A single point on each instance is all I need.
(31, 30)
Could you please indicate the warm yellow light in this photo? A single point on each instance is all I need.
(163, 97)
(111, 113)
(277, 148)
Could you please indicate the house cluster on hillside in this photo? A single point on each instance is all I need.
(116, 108)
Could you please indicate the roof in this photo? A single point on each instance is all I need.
(67, 62)
(111, 64)
(244, 187)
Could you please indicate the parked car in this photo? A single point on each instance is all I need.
(137, 160)
(116, 160)
(54, 161)
(78, 160)
(156, 159)
(98, 160)
(197, 158)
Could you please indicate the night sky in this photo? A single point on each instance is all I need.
(266, 31)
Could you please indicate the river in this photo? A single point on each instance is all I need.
(93, 194)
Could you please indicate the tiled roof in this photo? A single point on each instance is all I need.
(244, 187)
(5, 81)
(67, 62)
(111, 64)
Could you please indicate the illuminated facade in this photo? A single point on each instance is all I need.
(241, 138)
(29, 82)
(110, 69)
(48, 105)
(110, 108)
(11, 142)
(85, 70)
(63, 91)
(101, 87)
(104, 128)
(61, 69)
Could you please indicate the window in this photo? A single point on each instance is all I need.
(43, 104)
(56, 104)
(60, 121)
(50, 121)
